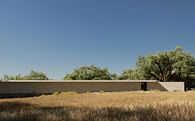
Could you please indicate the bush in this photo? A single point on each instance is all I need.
(68, 93)
(101, 92)
(56, 93)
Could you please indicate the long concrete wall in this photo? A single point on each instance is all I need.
(51, 87)
(166, 86)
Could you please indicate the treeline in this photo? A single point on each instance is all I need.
(31, 76)
(174, 65)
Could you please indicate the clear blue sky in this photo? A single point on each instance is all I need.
(55, 36)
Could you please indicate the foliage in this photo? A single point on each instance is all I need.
(90, 73)
(56, 93)
(31, 76)
(101, 91)
(68, 93)
(165, 66)
(65, 93)
(174, 65)
(189, 76)
(130, 74)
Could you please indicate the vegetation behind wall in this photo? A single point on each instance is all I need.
(173, 65)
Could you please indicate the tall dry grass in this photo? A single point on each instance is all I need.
(119, 106)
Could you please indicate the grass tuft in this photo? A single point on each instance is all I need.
(156, 90)
(101, 92)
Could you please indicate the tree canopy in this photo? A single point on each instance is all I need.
(189, 76)
(130, 74)
(174, 65)
(31, 76)
(165, 66)
(90, 73)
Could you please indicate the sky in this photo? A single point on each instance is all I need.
(56, 36)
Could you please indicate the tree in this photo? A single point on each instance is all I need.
(90, 73)
(165, 66)
(130, 74)
(31, 76)
(36, 76)
(189, 76)
(16, 77)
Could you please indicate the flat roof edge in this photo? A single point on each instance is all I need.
(79, 81)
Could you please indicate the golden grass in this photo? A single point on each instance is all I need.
(107, 106)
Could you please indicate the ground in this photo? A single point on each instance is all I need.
(101, 106)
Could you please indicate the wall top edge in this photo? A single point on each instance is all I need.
(79, 81)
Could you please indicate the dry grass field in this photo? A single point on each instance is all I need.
(102, 106)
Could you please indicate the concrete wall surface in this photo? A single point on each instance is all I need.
(166, 86)
(51, 87)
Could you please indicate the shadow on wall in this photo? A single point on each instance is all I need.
(3, 96)
(17, 111)
(154, 86)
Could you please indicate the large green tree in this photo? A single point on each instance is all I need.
(31, 76)
(189, 76)
(165, 66)
(130, 74)
(90, 73)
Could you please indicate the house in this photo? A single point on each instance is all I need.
(37, 87)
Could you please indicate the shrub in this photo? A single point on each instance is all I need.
(101, 92)
(56, 93)
(68, 93)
